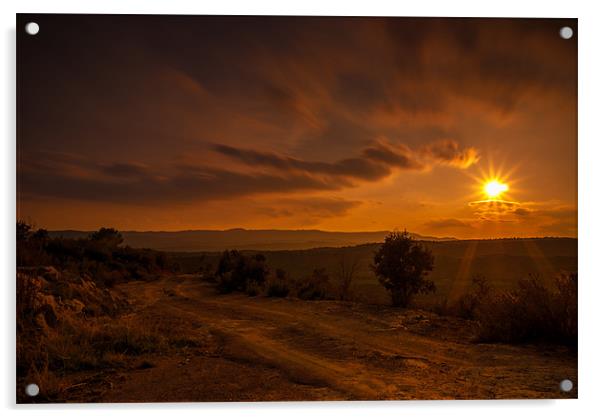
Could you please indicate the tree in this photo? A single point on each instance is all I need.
(401, 265)
(108, 236)
(236, 271)
(345, 274)
(23, 231)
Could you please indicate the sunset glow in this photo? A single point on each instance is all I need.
(335, 124)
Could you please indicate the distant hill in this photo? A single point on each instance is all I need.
(245, 239)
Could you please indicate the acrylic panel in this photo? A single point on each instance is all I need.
(287, 208)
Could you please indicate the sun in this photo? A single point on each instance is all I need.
(494, 188)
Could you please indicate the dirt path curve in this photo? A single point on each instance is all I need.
(281, 349)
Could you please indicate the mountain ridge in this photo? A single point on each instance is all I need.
(241, 238)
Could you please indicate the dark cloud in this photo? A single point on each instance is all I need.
(449, 152)
(124, 170)
(131, 182)
(355, 168)
(334, 80)
(400, 156)
(376, 161)
(184, 184)
(360, 91)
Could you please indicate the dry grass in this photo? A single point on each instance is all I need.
(532, 312)
(54, 342)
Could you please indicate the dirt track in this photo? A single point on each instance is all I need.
(259, 349)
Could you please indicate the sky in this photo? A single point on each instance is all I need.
(340, 124)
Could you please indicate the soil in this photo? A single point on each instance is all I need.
(271, 349)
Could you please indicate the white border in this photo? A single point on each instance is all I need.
(590, 208)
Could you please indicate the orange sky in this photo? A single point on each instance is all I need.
(348, 124)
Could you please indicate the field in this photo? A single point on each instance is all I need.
(502, 262)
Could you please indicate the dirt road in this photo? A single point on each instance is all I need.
(260, 349)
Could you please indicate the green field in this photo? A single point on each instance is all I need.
(502, 261)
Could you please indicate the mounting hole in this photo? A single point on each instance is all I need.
(32, 389)
(566, 32)
(32, 28)
(566, 385)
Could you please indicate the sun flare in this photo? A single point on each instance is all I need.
(494, 188)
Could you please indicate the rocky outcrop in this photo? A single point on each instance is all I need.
(48, 296)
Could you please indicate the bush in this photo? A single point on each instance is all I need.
(566, 306)
(237, 272)
(401, 265)
(531, 313)
(316, 287)
(467, 305)
(278, 286)
(253, 289)
(100, 255)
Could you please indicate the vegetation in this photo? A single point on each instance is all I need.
(68, 318)
(316, 287)
(467, 305)
(238, 272)
(278, 285)
(401, 265)
(101, 255)
(532, 312)
(250, 274)
(502, 262)
(346, 274)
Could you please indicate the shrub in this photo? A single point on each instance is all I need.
(100, 255)
(237, 272)
(532, 312)
(566, 306)
(253, 289)
(278, 286)
(316, 287)
(467, 305)
(401, 265)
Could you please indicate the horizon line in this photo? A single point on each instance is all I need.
(450, 238)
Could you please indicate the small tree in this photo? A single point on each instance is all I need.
(401, 265)
(235, 271)
(346, 274)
